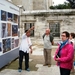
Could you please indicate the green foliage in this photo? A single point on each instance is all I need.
(72, 3)
(61, 6)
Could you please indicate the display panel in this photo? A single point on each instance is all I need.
(8, 51)
(9, 29)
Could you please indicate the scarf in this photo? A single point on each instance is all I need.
(61, 46)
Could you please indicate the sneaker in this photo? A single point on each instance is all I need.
(27, 69)
(19, 70)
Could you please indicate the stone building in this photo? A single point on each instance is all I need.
(41, 4)
(57, 20)
(34, 4)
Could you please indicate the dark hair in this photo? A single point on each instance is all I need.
(67, 33)
(26, 30)
(72, 34)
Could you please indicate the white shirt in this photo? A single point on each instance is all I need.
(47, 43)
(73, 41)
(25, 43)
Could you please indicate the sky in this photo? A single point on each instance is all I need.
(56, 2)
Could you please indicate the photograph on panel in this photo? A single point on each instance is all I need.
(14, 30)
(0, 46)
(3, 15)
(15, 18)
(12, 43)
(6, 45)
(4, 30)
(8, 29)
(16, 42)
(10, 17)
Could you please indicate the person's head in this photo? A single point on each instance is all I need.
(27, 33)
(65, 36)
(72, 35)
(47, 31)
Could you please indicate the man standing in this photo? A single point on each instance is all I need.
(48, 42)
(24, 49)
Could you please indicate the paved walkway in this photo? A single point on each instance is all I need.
(42, 70)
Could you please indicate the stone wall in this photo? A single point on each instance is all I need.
(42, 20)
(38, 5)
(27, 4)
(41, 4)
(17, 2)
(34, 4)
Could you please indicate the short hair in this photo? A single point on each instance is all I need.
(72, 34)
(67, 33)
(48, 29)
(26, 30)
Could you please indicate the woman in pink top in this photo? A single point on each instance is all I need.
(64, 55)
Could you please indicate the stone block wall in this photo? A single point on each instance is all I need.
(34, 4)
(42, 20)
(41, 4)
(27, 4)
(67, 23)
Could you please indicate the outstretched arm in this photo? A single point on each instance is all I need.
(32, 28)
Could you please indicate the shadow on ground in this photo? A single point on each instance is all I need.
(36, 59)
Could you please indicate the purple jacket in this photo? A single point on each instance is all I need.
(67, 55)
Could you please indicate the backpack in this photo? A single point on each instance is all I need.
(50, 37)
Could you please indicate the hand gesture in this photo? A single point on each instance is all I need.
(31, 51)
(32, 28)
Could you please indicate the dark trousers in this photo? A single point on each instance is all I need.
(21, 54)
(64, 71)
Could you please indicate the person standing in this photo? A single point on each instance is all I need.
(48, 42)
(72, 40)
(64, 54)
(24, 49)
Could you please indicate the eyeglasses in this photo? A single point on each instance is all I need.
(63, 35)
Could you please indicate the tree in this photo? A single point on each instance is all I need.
(61, 6)
(72, 3)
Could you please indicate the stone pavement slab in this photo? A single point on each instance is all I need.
(42, 70)
(53, 70)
